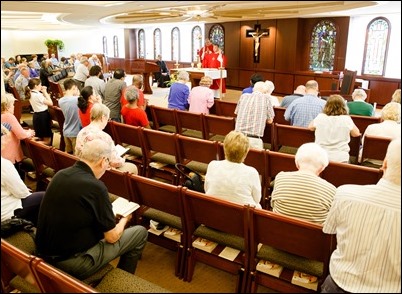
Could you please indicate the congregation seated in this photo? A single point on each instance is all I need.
(359, 106)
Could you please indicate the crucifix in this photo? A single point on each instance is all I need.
(257, 33)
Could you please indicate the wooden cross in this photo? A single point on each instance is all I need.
(256, 34)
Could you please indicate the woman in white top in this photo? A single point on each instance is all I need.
(231, 179)
(40, 101)
(16, 199)
(333, 129)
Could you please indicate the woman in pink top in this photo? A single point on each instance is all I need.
(85, 102)
(13, 152)
(201, 98)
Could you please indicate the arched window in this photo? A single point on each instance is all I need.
(104, 44)
(175, 44)
(157, 43)
(217, 36)
(115, 46)
(376, 46)
(196, 37)
(141, 44)
(322, 46)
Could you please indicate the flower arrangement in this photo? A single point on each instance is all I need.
(173, 79)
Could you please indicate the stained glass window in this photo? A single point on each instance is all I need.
(141, 43)
(196, 35)
(104, 43)
(322, 46)
(217, 36)
(376, 46)
(176, 44)
(157, 43)
(115, 46)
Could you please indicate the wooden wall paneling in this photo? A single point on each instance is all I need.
(284, 83)
(244, 78)
(232, 77)
(300, 79)
(232, 43)
(286, 48)
(324, 82)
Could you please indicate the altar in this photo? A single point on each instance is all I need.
(197, 73)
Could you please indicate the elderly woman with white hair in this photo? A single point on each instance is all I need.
(302, 193)
(271, 88)
(179, 92)
(201, 98)
(100, 115)
(359, 106)
(253, 112)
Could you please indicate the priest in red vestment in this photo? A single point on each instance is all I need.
(216, 60)
(207, 49)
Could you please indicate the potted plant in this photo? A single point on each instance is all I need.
(54, 43)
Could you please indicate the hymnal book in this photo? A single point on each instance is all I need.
(158, 232)
(229, 253)
(269, 268)
(123, 207)
(305, 280)
(204, 244)
(173, 233)
(157, 165)
(121, 150)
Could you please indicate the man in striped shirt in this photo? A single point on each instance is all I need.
(367, 222)
(303, 194)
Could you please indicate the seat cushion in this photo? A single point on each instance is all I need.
(291, 261)
(120, 281)
(163, 217)
(220, 237)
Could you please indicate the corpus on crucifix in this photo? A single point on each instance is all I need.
(257, 33)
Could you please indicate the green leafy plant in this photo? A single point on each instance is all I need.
(55, 42)
(173, 79)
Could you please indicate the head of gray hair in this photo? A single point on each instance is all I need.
(131, 94)
(312, 155)
(392, 162)
(391, 111)
(183, 76)
(261, 87)
(271, 86)
(94, 150)
(99, 110)
(359, 94)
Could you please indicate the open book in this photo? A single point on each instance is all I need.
(123, 207)
(121, 150)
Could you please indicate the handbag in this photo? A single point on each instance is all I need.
(14, 225)
(193, 179)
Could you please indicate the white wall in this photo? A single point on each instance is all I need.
(83, 41)
(357, 37)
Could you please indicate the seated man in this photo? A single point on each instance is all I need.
(162, 76)
(77, 229)
(256, 77)
(359, 106)
(303, 194)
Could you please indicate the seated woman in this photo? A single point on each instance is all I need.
(13, 152)
(100, 115)
(302, 193)
(231, 179)
(179, 92)
(201, 98)
(132, 114)
(388, 128)
(333, 129)
(16, 198)
(86, 100)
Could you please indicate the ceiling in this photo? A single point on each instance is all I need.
(69, 15)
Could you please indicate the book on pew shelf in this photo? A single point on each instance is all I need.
(123, 207)
(121, 150)
(204, 244)
(156, 228)
(173, 233)
(269, 268)
(229, 253)
(157, 165)
(305, 280)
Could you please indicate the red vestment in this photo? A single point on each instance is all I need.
(216, 60)
(204, 51)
